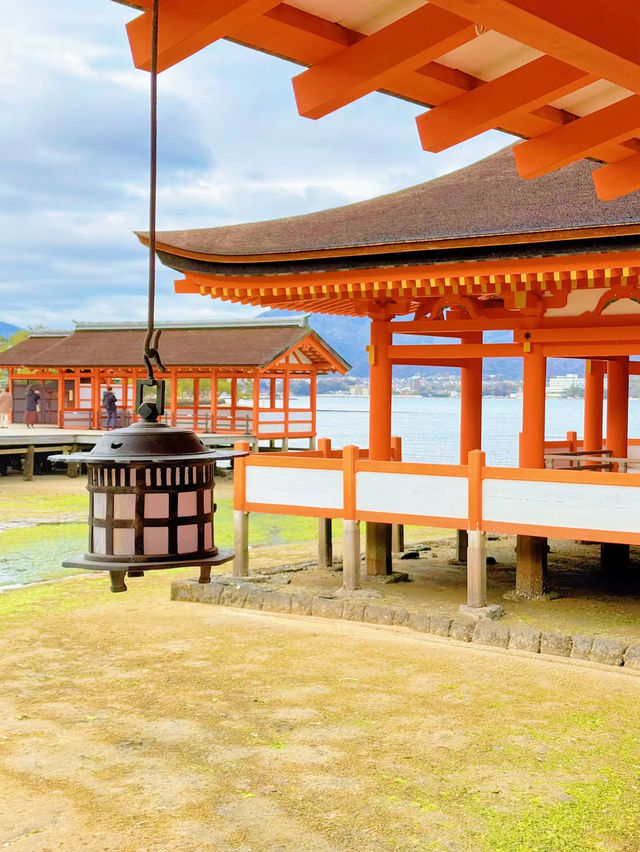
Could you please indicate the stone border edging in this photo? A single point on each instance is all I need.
(244, 594)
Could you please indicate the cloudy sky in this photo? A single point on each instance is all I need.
(74, 160)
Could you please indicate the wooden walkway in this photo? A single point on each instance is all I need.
(19, 442)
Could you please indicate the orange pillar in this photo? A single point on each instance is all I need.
(470, 426)
(618, 406)
(531, 563)
(615, 557)
(196, 404)
(60, 417)
(10, 377)
(379, 534)
(593, 405)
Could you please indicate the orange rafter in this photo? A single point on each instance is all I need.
(618, 178)
(185, 26)
(557, 148)
(525, 89)
(406, 44)
(598, 36)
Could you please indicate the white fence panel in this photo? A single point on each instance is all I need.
(614, 508)
(412, 494)
(295, 487)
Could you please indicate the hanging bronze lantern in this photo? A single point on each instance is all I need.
(151, 498)
(151, 485)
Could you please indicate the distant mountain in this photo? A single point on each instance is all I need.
(349, 336)
(6, 329)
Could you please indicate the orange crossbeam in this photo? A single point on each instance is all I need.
(557, 148)
(525, 89)
(598, 36)
(406, 44)
(618, 178)
(185, 27)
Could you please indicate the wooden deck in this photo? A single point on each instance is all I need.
(27, 444)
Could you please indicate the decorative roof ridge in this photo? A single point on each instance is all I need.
(271, 322)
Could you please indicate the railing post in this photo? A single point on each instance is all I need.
(397, 530)
(476, 548)
(240, 516)
(351, 527)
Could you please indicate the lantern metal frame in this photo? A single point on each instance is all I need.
(150, 483)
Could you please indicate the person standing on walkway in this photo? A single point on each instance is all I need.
(31, 401)
(6, 402)
(109, 405)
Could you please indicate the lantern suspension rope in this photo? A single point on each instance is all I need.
(150, 353)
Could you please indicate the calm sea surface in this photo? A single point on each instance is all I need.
(429, 426)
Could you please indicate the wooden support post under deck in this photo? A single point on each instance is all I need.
(476, 568)
(615, 557)
(470, 423)
(351, 555)
(476, 537)
(531, 551)
(325, 543)
(73, 467)
(379, 534)
(240, 543)
(28, 463)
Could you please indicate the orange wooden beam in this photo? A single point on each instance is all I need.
(185, 27)
(453, 351)
(598, 36)
(309, 40)
(525, 89)
(578, 139)
(406, 44)
(618, 178)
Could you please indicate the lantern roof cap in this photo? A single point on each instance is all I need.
(151, 443)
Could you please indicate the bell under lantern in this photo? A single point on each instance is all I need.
(151, 498)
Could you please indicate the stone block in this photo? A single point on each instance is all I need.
(608, 651)
(211, 593)
(493, 611)
(440, 625)
(378, 614)
(418, 621)
(353, 610)
(300, 604)
(254, 599)
(632, 657)
(326, 607)
(581, 647)
(186, 590)
(557, 644)
(275, 602)
(462, 629)
(400, 615)
(525, 639)
(233, 596)
(487, 632)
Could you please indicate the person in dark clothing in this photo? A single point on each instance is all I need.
(109, 405)
(31, 401)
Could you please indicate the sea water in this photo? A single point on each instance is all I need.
(430, 426)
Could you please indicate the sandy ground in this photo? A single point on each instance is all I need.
(134, 723)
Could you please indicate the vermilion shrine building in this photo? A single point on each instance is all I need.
(237, 374)
(470, 252)
(540, 259)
